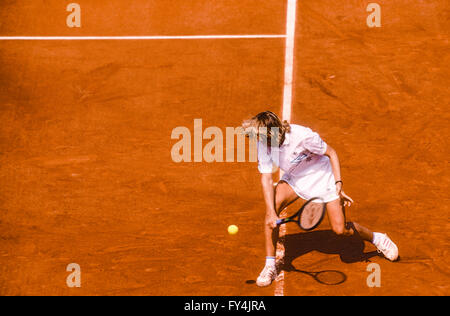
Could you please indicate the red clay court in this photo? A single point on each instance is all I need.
(86, 174)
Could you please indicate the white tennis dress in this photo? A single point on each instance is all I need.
(306, 169)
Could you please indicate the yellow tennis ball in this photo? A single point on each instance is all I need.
(232, 229)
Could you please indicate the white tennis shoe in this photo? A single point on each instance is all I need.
(268, 274)
(387, 247)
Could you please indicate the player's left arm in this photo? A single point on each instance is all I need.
(336, 167)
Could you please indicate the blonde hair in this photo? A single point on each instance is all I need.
(269, 122)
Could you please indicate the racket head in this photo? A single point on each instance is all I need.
(312, 214)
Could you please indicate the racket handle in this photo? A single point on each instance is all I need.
(280, 221)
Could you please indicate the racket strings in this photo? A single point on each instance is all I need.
(311, 215)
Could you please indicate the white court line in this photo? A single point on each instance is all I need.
(289, 59)
(287, 109)
(118, 38)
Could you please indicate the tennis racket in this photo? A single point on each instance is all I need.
(309, 216)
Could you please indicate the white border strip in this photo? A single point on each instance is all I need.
(287, 109)
(108, 38)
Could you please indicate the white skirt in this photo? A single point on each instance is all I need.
(317, 181)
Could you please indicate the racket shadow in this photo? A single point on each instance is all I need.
(349, 248)
(326, 277)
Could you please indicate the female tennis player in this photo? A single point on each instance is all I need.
(311, 169)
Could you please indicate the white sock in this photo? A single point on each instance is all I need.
(376, 238)
(270, 262)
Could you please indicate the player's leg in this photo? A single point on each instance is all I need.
(340, 227)
(284, 195)
(336, 217)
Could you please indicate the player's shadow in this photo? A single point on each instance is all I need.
(349, 248)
